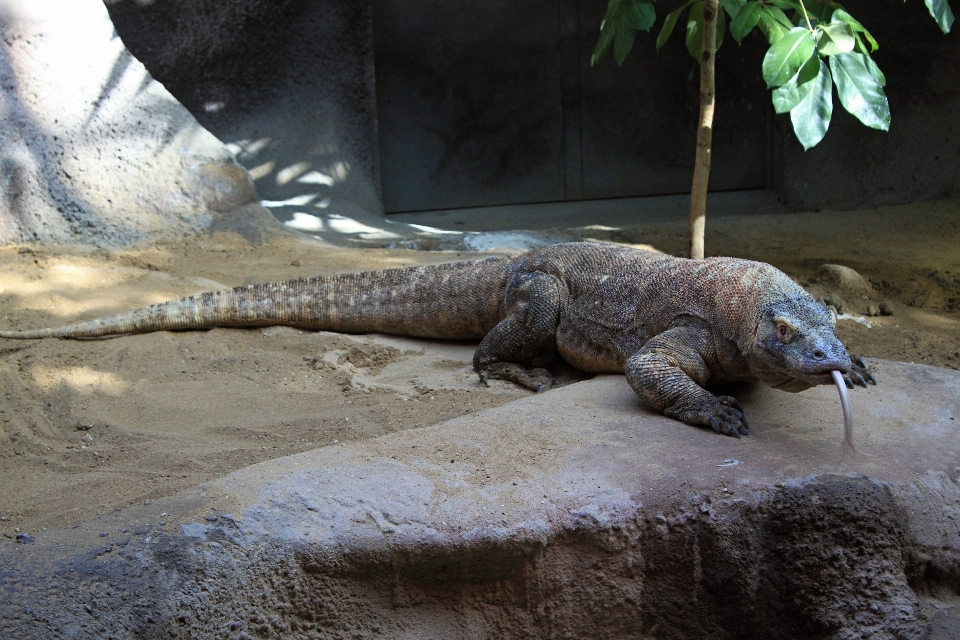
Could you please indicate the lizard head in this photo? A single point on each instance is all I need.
(795, 346)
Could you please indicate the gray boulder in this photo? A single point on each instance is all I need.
(568, 514)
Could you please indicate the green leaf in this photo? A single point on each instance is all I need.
(941, 12)
(820, 10)
(788, 96)
(732, 6)
(775, 23)
(859, 46)
(607, 31)
(875, 71)
(859, 91)
(745, 20)
(695, 30)
(774, 13)
(620, 25)
(811, 116)
(623, 40)
(842, 16)
(836, 37)
(640, 15)
(603, 44)
(787, 55)
(669, 23)
(786, 4)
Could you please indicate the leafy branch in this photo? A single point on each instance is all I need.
(818, 47)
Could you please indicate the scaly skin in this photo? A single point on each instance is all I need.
(674, 326)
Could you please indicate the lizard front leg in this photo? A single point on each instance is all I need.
(533, 312)
(669, 372)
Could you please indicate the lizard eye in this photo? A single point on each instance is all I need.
(785, 332)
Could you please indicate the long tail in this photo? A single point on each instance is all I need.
(459, 301)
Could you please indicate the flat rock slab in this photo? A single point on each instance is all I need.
(573, 513)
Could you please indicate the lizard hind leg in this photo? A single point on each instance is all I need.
(530, 327)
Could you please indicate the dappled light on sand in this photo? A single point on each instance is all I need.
(70, 291)
(309, 222)
(83, 380)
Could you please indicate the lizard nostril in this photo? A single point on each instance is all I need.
(819, 355)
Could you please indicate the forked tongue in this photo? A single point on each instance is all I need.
(845, 405)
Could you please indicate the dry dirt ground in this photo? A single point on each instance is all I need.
(94, 425)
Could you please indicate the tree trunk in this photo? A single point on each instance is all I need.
(701, 170)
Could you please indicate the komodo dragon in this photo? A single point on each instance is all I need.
(674, 326)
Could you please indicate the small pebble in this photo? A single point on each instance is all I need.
(886, 308)
(104, 534)
(295, 263)
(25, 538)
(210, 518)
(835, 301)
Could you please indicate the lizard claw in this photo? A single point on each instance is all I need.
(722, 414)
(858, 374)
(715, 424)
(716, 427)
(731, 402)
(538, 380)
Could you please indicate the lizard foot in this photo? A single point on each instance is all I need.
(723, 414)
(538, 380)
(858, 374)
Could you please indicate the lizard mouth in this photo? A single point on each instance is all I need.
(820, 377)
(820, 372)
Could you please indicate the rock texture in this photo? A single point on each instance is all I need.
(562, 515)
(92, 149)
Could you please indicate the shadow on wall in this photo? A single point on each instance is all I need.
(92, 149)
(287, 85)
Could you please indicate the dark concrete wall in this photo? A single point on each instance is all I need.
(496, 103)
(292, 84)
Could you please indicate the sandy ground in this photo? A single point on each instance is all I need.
(95, 425)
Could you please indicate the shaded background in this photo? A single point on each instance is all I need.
(346, 108)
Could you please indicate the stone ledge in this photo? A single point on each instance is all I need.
(572, 513)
